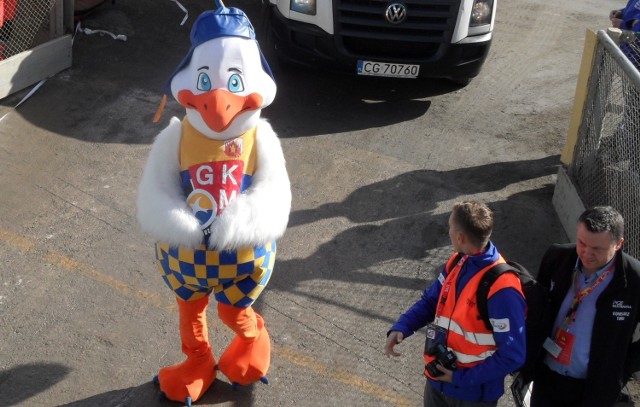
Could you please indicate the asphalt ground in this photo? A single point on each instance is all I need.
(375, 166)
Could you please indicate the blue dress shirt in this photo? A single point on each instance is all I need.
(582, 327)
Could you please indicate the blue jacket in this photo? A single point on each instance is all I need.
(631, 21)
(485, 381)
(631, 16)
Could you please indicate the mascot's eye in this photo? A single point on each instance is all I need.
(235, 83)
(204, 83)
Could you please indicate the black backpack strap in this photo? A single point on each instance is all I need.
(486, 282)
(449, 262)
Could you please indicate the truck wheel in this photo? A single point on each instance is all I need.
(82, 8)
(461, 81)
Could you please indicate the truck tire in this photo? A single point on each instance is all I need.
(461, 81)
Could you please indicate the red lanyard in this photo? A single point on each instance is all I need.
(579, 295)
(448, 282)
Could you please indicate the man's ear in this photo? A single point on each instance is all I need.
(619, 244)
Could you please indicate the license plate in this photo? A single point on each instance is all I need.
(373, 68)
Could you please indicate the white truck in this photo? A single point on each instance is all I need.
(395, 38)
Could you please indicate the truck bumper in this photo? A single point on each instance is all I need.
(306, 44)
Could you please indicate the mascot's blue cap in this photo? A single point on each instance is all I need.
(223, 22)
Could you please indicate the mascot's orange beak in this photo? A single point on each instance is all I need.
(219, 107)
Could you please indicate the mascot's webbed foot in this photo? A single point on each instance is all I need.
(188, 401)
(188, 381)
(263, 379)
(247, 360)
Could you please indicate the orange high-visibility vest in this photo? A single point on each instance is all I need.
(468, 337)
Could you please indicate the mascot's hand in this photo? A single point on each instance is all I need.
(186, 230)
(229, 232)
(215, 240)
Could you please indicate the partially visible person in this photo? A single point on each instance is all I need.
(8, 10)
(627, 18)
(465, 362)
(622, 145)
(594, 344)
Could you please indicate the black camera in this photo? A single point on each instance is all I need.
(443, 357)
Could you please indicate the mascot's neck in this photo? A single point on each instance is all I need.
(188, 127)
(196, 148)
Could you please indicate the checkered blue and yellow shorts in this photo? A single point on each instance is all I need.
(236, 277)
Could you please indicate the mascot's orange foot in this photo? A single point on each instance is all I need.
(247, 360)
(188, 381)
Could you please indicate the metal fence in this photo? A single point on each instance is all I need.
(25, 24)
(606, 163)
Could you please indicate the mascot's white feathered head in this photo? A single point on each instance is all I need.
(224, 81)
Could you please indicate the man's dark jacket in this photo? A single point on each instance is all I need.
(615, 350)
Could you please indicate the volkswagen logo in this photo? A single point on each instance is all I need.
(396, 13)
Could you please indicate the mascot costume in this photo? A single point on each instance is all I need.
(216, 195)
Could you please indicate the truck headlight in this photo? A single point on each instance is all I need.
(480, 12)
(304, 6)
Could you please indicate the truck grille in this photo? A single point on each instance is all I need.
(363, 31)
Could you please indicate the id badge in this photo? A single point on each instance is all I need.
(435, 335)
(564, 347)
(551, 347)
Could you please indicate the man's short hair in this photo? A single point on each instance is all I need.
(603, 219)
(475, 220)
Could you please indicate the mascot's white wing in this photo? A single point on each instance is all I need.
(162, 210)
(261, 213)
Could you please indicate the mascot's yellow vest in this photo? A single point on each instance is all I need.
(221, 169)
